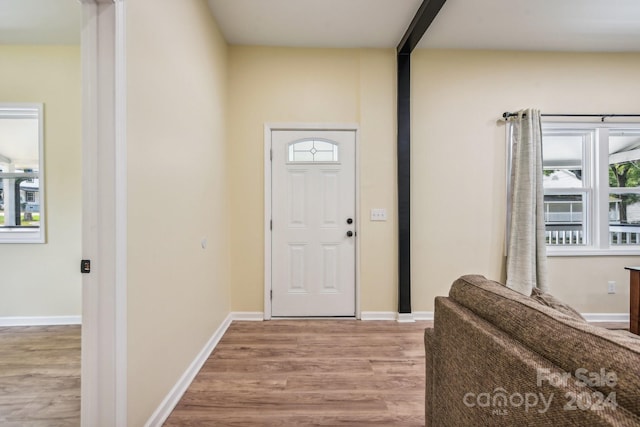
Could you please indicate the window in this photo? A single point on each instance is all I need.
(313, 151)
(591, 188)
(567, 185)
(21, 172)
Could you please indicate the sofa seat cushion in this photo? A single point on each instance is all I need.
(569, 343)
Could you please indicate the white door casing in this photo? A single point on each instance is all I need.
(104, 231)
(313, 214)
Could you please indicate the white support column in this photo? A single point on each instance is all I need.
(104, 322)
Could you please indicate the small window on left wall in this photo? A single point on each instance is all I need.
(22, 216)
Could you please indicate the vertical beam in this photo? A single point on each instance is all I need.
(425, 15)
(404, 183)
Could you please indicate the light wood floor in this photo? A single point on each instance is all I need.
(310, 372)
(278, 373)
(40, 376)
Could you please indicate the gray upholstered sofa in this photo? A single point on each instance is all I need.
(499, 358)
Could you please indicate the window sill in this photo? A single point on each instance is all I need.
(22, 235)
(573, 252)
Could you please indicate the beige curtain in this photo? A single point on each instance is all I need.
(526, 250)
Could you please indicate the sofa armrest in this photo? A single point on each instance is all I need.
(428, 353)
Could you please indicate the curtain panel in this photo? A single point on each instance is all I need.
(526, 247)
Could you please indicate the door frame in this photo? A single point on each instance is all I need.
(268, 128)
(104, 214)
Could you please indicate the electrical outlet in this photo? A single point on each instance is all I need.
(611, 286)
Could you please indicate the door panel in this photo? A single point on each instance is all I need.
(313, 195)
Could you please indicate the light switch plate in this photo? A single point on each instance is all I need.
(378, 214)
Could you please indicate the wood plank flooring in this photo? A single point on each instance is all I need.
(40, 376)
(276, 373)
(612, 325)
(310, 372)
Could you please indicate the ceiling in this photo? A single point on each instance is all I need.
(40, 22)
(314, 23)
(566, 25)
(557, 25)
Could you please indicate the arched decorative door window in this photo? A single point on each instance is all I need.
(312, 151)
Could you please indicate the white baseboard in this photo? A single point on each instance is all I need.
(40, 320)
(378, 315)
(171, 400)
(606, 317)
(428, 315)
(405, 318)
(251, 316)
(400, 317)
(423, 315)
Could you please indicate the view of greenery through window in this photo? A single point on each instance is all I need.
(624, 175)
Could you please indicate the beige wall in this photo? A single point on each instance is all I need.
(44, 279)
(458, 157)
(458, 161)
(178, 292)
(276, 85)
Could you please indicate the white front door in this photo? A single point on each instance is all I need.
(313, 223)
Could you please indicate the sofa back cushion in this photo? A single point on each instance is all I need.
(582, 350)
(553, 302)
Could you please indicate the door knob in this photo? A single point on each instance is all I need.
(349, 221)
(349, 233)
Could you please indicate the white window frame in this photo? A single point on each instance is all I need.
(28, 235)
(595, 189)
